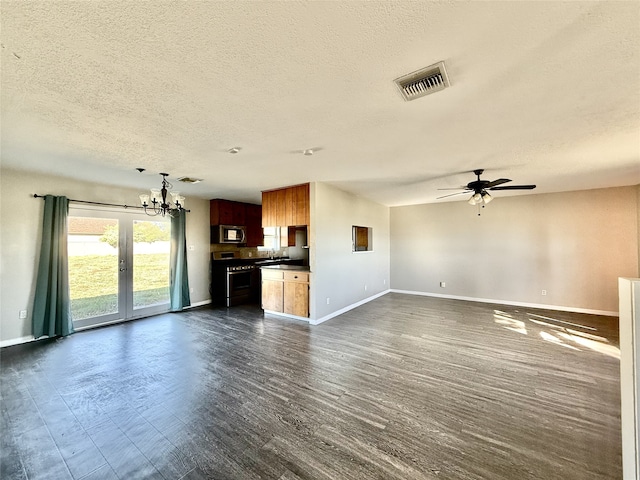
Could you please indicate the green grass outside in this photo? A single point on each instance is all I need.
(93, 283)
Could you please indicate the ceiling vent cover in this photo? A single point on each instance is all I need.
(422, 82)
(189, 180)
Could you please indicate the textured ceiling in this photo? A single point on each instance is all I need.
(541, 92)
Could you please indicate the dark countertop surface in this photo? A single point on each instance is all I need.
(297, 268)
(257, 261)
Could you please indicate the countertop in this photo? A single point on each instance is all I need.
(297, 268)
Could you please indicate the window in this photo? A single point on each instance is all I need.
(362, 239)
(271, 239)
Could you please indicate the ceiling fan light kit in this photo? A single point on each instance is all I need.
(480, 196)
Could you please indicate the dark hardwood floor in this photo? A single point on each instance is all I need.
(403, 387)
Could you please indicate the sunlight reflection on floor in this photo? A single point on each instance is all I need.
(559, 333)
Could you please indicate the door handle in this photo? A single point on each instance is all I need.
(122, 269)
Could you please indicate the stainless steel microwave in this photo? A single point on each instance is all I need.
(228, 234)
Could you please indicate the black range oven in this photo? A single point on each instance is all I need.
(233, 281)
(241, 284)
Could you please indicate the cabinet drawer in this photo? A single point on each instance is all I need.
(296, 277)
(270, 274)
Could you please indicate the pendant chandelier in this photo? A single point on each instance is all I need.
(157, 204)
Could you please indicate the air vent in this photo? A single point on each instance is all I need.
(189, 180)
(423, 82)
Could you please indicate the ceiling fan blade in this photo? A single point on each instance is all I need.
(515, 187)
(452, 194)
(453, 188)
(499, 181)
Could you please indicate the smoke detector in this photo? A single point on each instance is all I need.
(423, 82)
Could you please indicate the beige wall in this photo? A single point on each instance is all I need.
(338, 273)
(629, 375)
(20, 232)
(638, 220)
(574, 245)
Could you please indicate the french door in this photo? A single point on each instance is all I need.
(118, 265)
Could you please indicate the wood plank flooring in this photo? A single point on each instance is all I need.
(403, 387)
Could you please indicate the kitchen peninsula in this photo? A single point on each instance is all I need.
(285, 290)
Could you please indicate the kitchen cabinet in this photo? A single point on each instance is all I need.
(269, 209)
(296, 293)
(272, 290)
(286, 206)
(253, 216)
(300, 205)
(285, 291)
(228, 212)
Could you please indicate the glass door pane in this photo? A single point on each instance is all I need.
(151, 240)
(118, 265)
(94, 266)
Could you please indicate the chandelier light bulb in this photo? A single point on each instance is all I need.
(159, 204)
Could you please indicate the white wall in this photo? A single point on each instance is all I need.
(574, 245)
(20, 233)
(629, 375)
(337, 272)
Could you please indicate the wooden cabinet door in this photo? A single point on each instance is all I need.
(221, 212)
(253, 214)
(281, 208)
(300, 205)
(286, 207)
(269, 209)
(289, 206)
(238, 213)
(296, 299)
(272, 295)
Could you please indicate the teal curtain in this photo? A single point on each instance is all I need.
(179, 275)
(51, 305)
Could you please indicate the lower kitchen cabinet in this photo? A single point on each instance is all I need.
(286, 292)
(296, 293)
(272, 294)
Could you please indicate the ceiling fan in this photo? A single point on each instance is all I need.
(479, 188)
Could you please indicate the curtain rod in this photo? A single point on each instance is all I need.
(35, 195)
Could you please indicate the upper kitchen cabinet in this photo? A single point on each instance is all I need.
(227, 212)
(269, 203)
(286, 206)
(253, 215)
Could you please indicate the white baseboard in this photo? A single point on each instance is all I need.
(347, 308)
(515, 304)
(287, 315)
(29, 338)
(19, 340)
(198, 304)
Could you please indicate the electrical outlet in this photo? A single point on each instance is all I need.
(191, 290)
(443, 284)
(544, 292)
(191, 248)
(384, 281)
(365, 288)
(23, 314)
(328, 300)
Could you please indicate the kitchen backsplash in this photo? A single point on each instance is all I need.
(250, 252)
